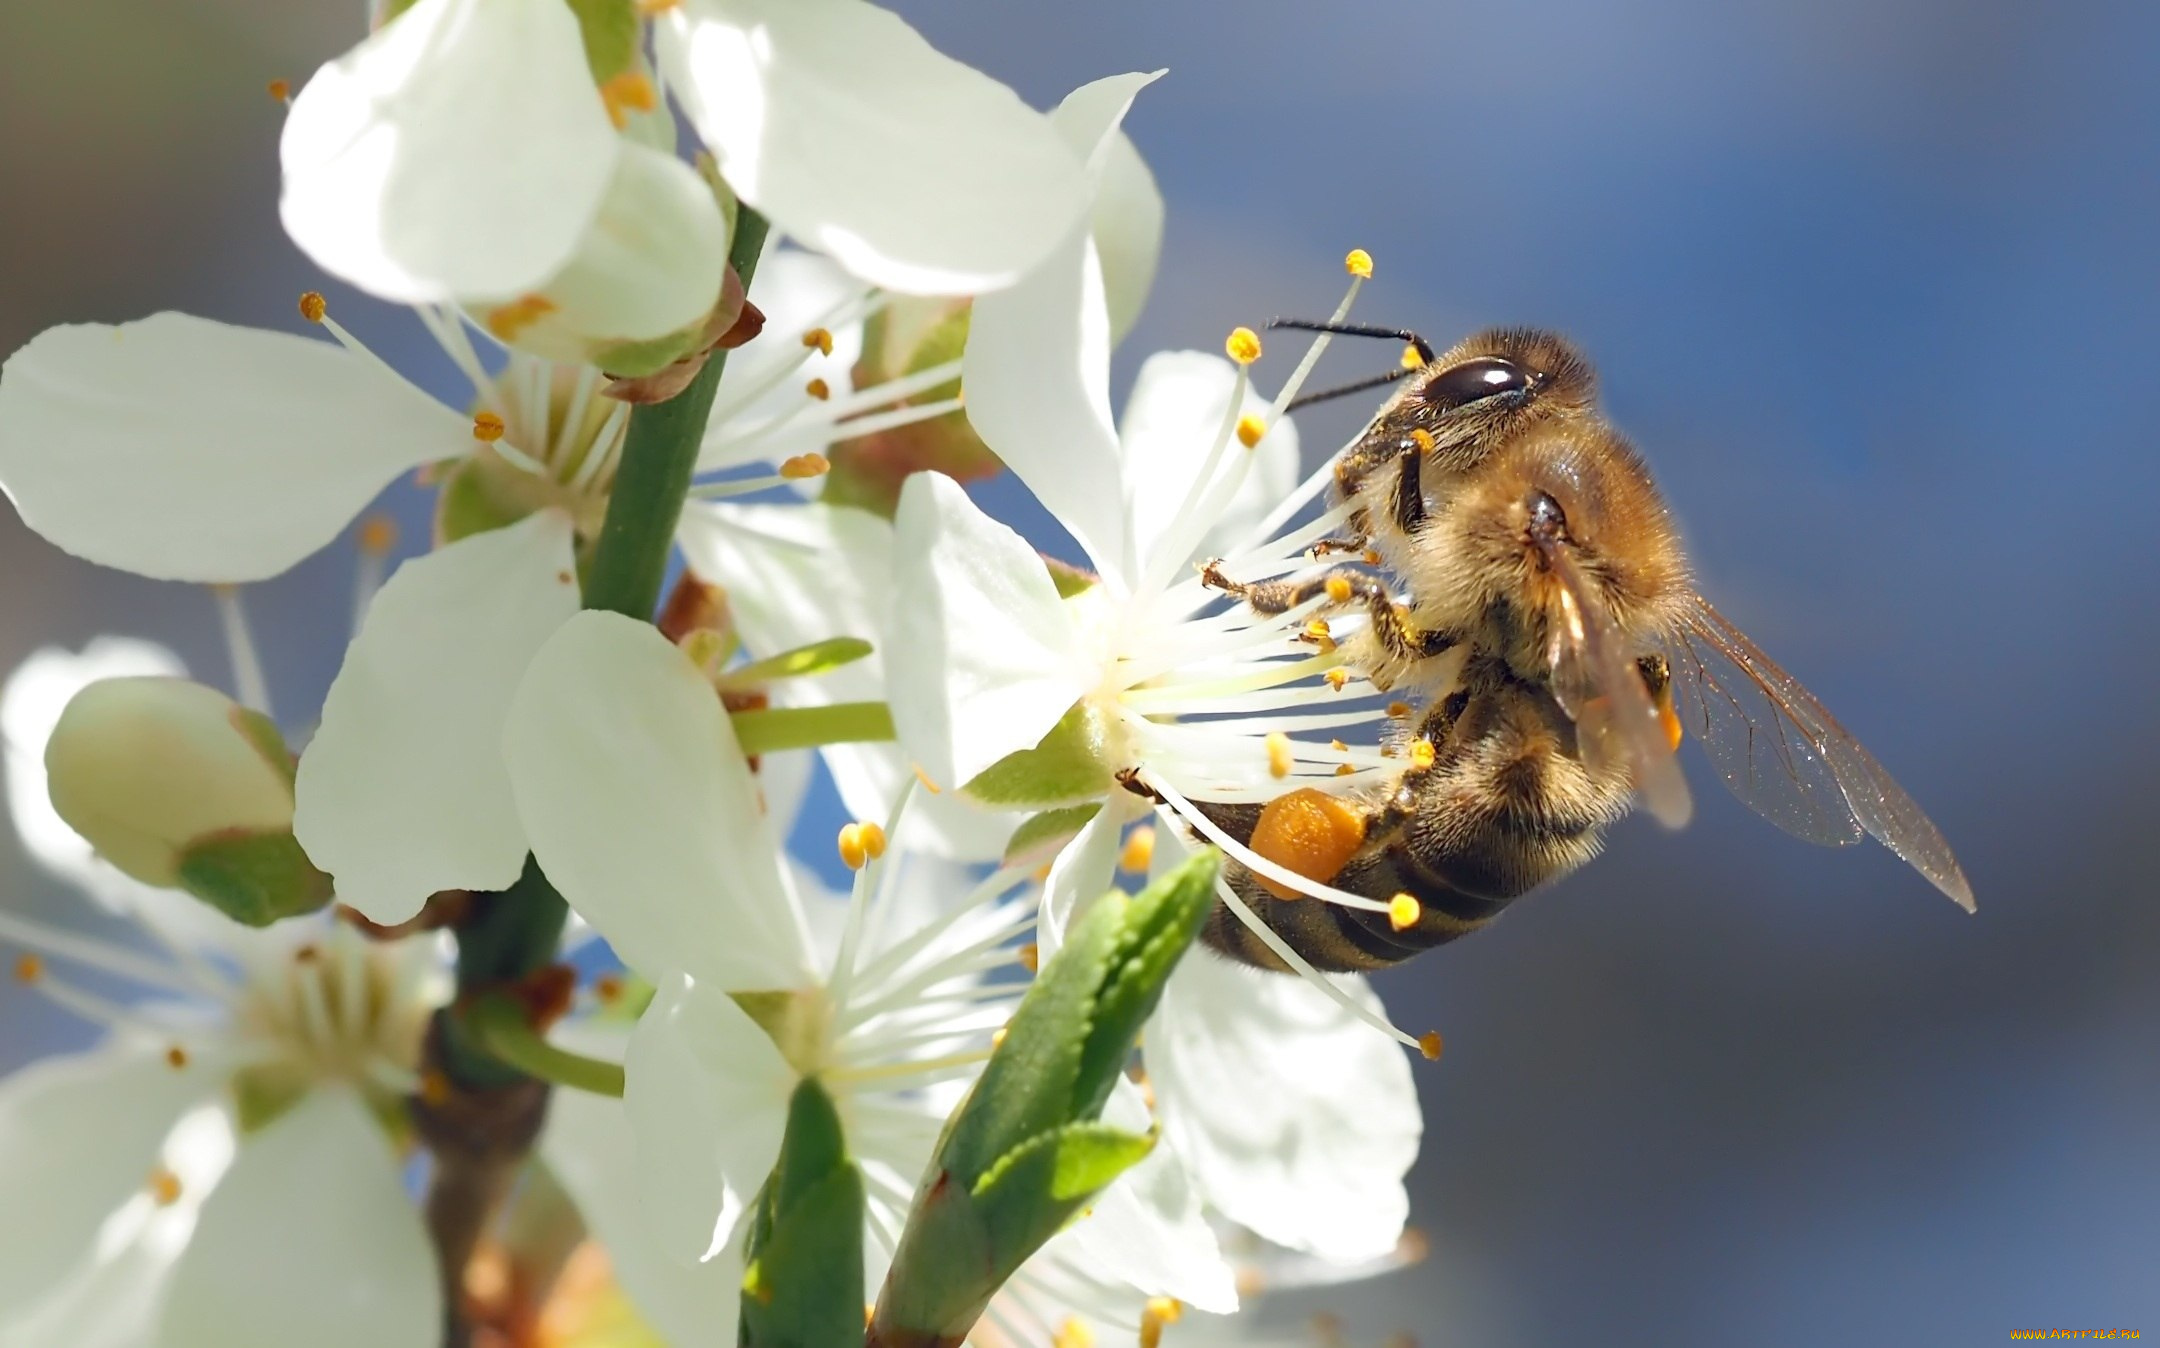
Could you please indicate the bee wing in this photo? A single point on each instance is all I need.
(1785, 755)
(1600, 688)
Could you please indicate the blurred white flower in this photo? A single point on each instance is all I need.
(644, 813)
(213, 1170)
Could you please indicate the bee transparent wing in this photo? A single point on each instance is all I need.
(1600, 688)
(1786, 756)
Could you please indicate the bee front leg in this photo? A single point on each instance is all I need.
(1398, 633)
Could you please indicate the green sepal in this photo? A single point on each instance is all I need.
(1069, 579)
(1071, 763)
(253, 878)
(648, 355)
(803, 1278)
(1041, 837)
(1034, 1189)
(262, 735)
(907, 336)
(611, 31)
(804, 661)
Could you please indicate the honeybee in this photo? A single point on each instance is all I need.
(1550, 620)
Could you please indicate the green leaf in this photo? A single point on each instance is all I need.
(1035, 1189)
(1158, 927)
(803, 1284)
(1043, 836)
(815, 658)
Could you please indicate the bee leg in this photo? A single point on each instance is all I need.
(1409, 502)
(1329, 546)
(1398, 633)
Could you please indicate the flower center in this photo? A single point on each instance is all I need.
(339, 1008)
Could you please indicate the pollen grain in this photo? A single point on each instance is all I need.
(1358, 263)
(1243, 345)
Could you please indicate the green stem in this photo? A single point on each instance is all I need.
(659, 454)
(505, 937)
(772, 729)
(498, 1024)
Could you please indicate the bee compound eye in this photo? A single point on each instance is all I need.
(1474, 380)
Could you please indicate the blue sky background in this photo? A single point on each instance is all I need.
(1872, 284)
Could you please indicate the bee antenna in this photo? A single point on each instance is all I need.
(1417, 343)
(1377, 381)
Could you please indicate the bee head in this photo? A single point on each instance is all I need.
(1491, 386)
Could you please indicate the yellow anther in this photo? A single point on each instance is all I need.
(176, 1057)
(281, 90)
(1398, 710)
(1243, 345)
(805, 465)
(1403, 912)
(1372, 556)
(1074, 1333)
(924, 778)
(1429, 1044)
(853, 850)
(1319, 630)
(1344, 769)
(434, 1089)
(1030, 956)
(378, 534)
(1421, 753)
(164, 1187)
(313, 306)
(1278, 754)
(997, 1036)
(1423, 439)
(487, 427)
(1359, 264)
(1338, 746)
(1337, 677)
(508, 320)
(29, 968)
(1338, 589)
(818, 389)
(1158, 1312)
(820, 339)
(608, 988)
(706, 649)
(873, 840)
(628, 92)
(1139, 851)
(1411, 359)
(1251, 429)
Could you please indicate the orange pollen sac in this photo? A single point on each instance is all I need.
(1159, 1311)
(28, 968)
(818, 389)
(873, 840)
(281, 90)
(1423, 439)
(1429, 1044)
(1338, 746)
(1337, 677)
(1319, 630)
(1338, 589)
(808, 465)
(626, 93)
(1403, 912)
(1074, 1333)
(164, 1187)
(853, 851)
(176, 1057)
(1243, 345)
(819, 339)
(1279, 760)
(1251, 429)
(1344, 769)
(1359, 264)
(1138, 852)
(313, 306)
(508, 320)
(378, 534)
(1307, 832)
(1669, 718)
(1411, 360)
(487, 427)
(1372, 557)
(1421, 753)
(1398, 710)
(1030, 956)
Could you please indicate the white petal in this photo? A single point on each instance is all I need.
(1147, 1230)
(796, 291)
(707, 1097)
(1128, 230)
(78, 1135)
(1296, 1119)
(1172, 420)
(30, 706)
(403, 790)
(459, 152)
(642, 811)
(980, 651)
(852, 134)
(592, 1151)
(1083, 869)
(310, 1238)
(648, 268)
(184, 449)
(802, 573)
(1037, 366)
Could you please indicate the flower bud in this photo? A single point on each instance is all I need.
(179, 786)
(909, 335)
(637, 293)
